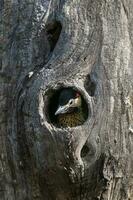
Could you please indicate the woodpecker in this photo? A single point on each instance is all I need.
(69, 111)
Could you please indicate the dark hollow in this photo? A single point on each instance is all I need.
(85, 150)
(90, 85)
(53, 31)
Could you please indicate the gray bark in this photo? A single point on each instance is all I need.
(47, 45)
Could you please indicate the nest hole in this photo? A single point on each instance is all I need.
(53, 31)
(53, 104)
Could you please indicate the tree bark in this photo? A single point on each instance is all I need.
(47, 45)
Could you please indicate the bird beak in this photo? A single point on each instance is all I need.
(61, 110)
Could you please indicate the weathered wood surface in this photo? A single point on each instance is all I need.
(46, 45)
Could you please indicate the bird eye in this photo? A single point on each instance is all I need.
(71, 102)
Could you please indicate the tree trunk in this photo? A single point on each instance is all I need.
(49, 45)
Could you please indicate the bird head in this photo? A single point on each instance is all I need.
(69, 101)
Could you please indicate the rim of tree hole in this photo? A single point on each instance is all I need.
(51, 99)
